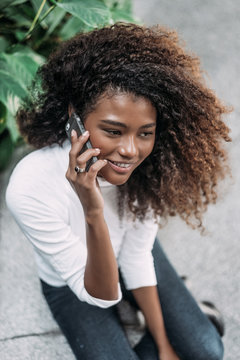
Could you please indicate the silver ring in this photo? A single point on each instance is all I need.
(79, 170)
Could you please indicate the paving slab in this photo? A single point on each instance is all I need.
(36, 347)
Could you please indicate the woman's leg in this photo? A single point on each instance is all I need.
(93, 333)
(190, 332)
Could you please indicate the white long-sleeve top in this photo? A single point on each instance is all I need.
(51, 216)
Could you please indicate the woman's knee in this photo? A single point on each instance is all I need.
(213, 351)
(210, 348)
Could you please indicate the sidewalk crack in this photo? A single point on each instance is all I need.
(52, 332)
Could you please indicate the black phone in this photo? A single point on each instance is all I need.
(75, 123)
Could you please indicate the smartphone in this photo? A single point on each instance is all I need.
(75, 123)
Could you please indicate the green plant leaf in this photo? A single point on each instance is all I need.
(11, 92)
(18, 16)
(12, 127)
(92, 12)
(20, 35)
(25, 50)
(122, 5)
(4, 43)
(54, 19)
(119, 15)
(72, 27)
(20, 66)
(5, 3)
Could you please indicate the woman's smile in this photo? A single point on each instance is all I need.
(123, 128)
(120, 166)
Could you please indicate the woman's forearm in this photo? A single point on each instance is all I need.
(101, 272)
(148, 301)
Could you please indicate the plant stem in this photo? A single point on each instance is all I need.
(46, 13)
(35, 19)
(54, 2)
(33, 27)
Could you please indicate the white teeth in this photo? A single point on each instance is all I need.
(121, 164)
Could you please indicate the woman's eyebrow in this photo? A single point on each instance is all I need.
(117, 123)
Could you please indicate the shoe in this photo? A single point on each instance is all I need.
(130, 316)
(214, 315)
(133, 322)
(209, 309)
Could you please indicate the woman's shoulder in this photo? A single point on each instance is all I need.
(53, 156)
(41, 168)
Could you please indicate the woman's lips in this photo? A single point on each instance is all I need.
(119, 169)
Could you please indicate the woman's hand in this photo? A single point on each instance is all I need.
(168, 353)
(85, 184)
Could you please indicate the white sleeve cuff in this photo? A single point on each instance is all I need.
(85, 296)
(143, 274)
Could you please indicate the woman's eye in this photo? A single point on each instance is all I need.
(113, 132)
(118, 132)
(146, 134)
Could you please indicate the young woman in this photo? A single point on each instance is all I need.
(156, 130)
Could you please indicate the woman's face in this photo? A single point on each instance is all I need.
(123, 128)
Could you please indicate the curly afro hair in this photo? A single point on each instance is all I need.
(188, 159)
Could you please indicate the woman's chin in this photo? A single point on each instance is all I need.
(114, 179)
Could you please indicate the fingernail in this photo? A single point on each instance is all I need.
(86, 133)
(73, 133)
(98, 150)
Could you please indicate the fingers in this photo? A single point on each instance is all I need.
(87, 155)
(95, 168)
(80, 160)
(77, 145)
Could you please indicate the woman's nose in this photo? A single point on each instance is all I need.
(128, 147)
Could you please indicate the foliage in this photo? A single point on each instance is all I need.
(29, 31)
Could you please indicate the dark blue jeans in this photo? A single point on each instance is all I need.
(97, 334)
